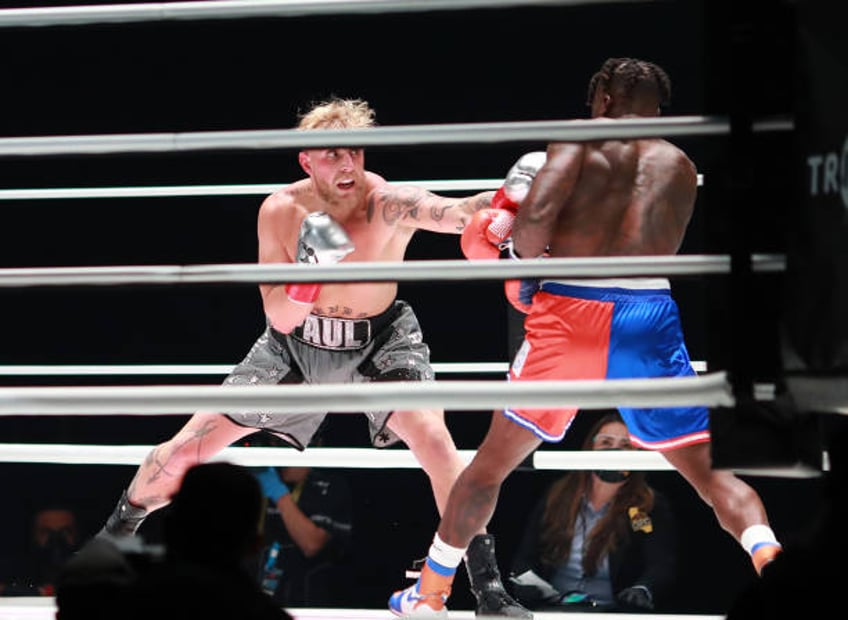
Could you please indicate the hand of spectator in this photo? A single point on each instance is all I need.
(531, 590)
(636, 598)
(272, 486)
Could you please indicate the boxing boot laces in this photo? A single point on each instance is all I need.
(486, 585)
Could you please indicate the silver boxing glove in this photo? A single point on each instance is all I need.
(322, 240)
(520, 176)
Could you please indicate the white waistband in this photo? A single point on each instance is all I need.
(626, 283)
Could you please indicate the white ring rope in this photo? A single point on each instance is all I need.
(256, 189)
(387, 271)
(137, 370)
(365, 458)
(360, 458)
(444, 133)
(709, 390)
(214, 369)
(233, 9)
(762, 391)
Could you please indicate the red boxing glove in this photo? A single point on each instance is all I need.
(512, 290)
(501, 201)
(484, 234)
(303, 292)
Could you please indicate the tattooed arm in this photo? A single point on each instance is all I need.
(415, 207)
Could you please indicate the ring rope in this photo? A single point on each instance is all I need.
(387, 271)
(256, 189)
(367, 458)
(359, 458)
(762, 391)
(233, 9)
(76, 370)
(204, 369)
(708, 390)
(444, 133)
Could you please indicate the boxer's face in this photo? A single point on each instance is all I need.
(338, 174)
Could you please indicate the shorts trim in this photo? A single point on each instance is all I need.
(670, 444)
(627, 284)
(533, 428)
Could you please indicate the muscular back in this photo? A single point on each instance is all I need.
(610, 198)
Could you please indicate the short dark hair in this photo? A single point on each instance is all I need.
(631, 78)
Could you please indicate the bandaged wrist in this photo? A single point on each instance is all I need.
(515, 255)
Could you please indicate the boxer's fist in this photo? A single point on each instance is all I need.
(520, 177)
(485, 233)
(321, 241)
(518, 180)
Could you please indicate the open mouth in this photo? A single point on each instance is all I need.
(345, 184)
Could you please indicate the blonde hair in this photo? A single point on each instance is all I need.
(338, 113)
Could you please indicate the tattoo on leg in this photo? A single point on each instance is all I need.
(158, 466)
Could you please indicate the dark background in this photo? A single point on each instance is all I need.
(434, 67)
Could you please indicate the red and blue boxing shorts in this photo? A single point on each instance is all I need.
(608, 329)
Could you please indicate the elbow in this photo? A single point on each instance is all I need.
(312, 549)
(278, 322)
(281, 312)
(284, 322)
(316, 543)
(284, 315)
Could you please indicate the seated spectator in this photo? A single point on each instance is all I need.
(599, 540)
(307, 536)
(54, 536)
(212, 534)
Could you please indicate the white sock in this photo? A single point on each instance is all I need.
(444, 554)
(756, 535)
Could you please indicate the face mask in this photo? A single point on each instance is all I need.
(52, 556)
(612, 476)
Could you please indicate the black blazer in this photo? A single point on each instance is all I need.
(645, 558)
